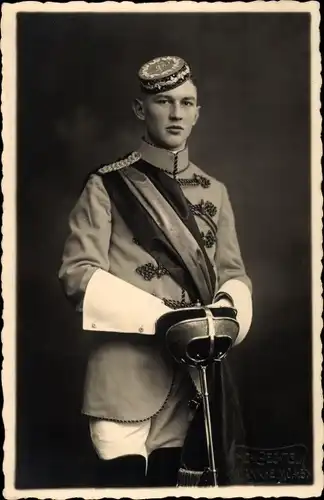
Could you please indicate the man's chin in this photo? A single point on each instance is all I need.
(174, 143)
(170, 142)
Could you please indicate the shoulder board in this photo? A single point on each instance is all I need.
(117, 165)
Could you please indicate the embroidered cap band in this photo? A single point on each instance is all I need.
(163, 73)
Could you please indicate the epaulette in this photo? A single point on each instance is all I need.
(117, 165)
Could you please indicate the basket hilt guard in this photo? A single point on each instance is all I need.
(199, 335)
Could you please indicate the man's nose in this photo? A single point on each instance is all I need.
(176, 111)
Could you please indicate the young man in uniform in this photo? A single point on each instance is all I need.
(150, 233)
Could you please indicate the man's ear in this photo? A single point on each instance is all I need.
(138, 108)
(197, 115)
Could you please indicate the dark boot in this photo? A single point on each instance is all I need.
(163, 467)
(123, 472)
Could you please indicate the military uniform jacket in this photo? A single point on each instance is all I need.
(120, 290)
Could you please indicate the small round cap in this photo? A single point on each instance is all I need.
(163, 73)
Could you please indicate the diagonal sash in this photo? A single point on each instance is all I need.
(172, 192)
(172, 227)
(157, 226)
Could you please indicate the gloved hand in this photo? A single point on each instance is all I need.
(222, 299)
(224, 305)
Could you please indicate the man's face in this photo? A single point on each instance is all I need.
(170, 116)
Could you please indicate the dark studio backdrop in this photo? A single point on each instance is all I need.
(76, 81)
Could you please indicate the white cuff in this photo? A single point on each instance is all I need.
(112, 304)
(242, 299)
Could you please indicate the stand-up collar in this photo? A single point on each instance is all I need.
(168, 161)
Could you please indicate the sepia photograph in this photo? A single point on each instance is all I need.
(162, 246)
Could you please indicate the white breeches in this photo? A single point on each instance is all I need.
(165, 430)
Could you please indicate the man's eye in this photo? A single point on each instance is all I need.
(162, 101)
(188, 103)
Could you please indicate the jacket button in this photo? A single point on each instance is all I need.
(141, 329)
(94, 325)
